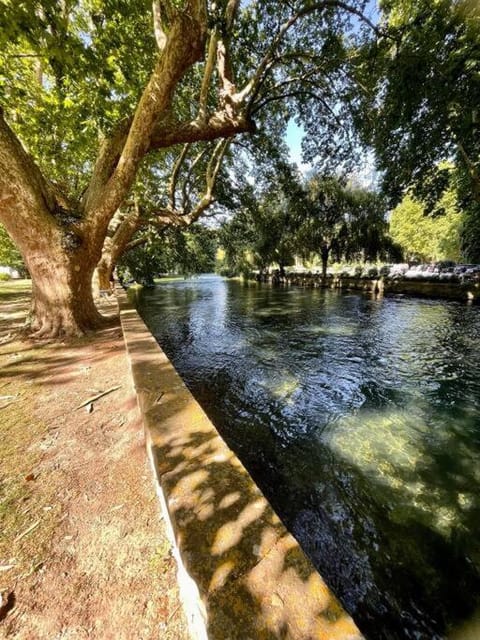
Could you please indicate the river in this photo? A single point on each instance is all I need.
(359, 419)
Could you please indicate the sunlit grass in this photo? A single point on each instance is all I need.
(14, 287)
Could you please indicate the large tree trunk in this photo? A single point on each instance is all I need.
(62, 300)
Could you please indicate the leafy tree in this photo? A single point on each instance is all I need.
(174, 250)
(365, 235)
(346, 221)
(263, 229)
(325, 223)
(259, 235)
(419, 106)
(422, 86)
(424, 237)
(92, 89)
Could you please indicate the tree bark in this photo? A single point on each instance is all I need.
(114, 247)
(103, 273)
(62, 300)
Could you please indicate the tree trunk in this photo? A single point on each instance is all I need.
(61, 259)
(62, 300)
(325, 250)
(122, 227)
(103, 274)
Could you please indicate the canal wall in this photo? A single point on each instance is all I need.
(242, 575)
(445, 290)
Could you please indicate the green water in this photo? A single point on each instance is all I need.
(360, 421)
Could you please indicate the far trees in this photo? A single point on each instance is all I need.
(9, 254)
(427, 238)
(262, 230)
(171, 251)
(317, 218)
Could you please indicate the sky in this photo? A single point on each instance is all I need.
(293, 137)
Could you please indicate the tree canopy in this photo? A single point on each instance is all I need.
(428, 238)
(422, 91)
(98, 92)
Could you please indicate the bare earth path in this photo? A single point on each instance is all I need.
(83, 548)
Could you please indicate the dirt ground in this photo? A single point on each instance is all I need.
(83, 547)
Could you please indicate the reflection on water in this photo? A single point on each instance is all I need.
(360, 420)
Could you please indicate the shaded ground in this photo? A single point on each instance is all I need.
(83, 549)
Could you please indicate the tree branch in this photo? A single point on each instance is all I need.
(267, 61)
(207, 75)
(174, 178)
(218, 125)
(160, 35)
(185, 195)
(213, 169)
(24, 192)
(136, 243)
(110, 184)
(231, 13)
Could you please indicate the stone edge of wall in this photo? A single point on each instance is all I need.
(441, 290)
(273, 590)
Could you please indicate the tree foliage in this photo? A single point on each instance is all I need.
(287, 217)
(422, 91)
(173, 251)
(428, 238)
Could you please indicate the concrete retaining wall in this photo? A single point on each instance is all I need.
(242, 575)
(445, 290)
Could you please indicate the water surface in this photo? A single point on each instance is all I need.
(360, 420)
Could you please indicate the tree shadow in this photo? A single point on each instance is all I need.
(60, 361)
